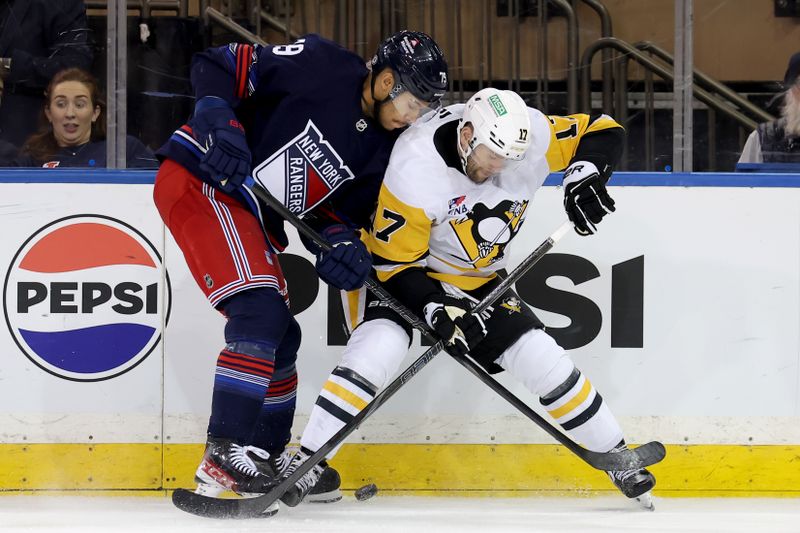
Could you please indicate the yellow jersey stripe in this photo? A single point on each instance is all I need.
(353, 298)
(384, 273)
(566, 132)
(400, 232)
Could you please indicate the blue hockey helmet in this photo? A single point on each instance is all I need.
(417, 61)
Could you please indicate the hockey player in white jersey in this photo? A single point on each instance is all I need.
(455, 194)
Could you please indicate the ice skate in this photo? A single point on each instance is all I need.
(227, 466)
(271, 463)
(635, 484)
(305, 484)
(325, 490)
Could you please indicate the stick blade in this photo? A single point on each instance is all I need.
(641, 457)
(208, 507)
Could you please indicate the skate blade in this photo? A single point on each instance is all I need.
(645, 501)
(210, 490)
(331, 496)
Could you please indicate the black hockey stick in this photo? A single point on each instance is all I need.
(252, 507)
(601, 461)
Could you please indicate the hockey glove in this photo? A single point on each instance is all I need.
(227, 158)
(451, 319)
(347, 265)
(586, 200)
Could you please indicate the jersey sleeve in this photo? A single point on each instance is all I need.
(237, 71)
(399, 236)
(594, 138)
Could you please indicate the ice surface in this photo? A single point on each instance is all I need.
(386, 513)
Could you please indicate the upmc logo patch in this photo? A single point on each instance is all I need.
(83, 295)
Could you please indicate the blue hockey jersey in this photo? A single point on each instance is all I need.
(300, 105)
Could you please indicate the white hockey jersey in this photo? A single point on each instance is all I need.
(432, 215)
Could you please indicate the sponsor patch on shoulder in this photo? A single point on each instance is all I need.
(456, 206)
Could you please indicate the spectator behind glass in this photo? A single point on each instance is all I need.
(778, 141)
(7, 150)
(37, 39)
(73, 132)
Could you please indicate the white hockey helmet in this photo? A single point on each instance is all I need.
(500, 121)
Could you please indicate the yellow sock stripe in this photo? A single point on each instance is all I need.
(344, 394)
(573, 403)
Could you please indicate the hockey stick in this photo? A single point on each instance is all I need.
(252, 507)
(601, 461)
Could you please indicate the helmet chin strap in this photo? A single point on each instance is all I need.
(463, 154)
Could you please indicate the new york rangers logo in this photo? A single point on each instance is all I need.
(304, 171)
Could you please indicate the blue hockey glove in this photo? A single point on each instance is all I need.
(586, 199)
(451, 318)
(347, 265)
(227, 158)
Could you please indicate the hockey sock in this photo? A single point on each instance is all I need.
(244, 371)
(273, 430)
(373, 353)
(258, 321)
(581, 411)
(547, 371)
(342, 397)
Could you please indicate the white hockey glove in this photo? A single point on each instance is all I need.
(452, 320)
(586, 199)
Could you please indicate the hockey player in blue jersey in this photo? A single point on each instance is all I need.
(315, 125)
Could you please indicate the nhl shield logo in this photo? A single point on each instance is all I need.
(304, 171)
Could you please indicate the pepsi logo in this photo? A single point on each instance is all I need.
(84, 298)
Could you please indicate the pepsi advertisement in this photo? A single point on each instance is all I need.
(82, 297)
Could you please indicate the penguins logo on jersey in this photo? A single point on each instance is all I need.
(304, 171)
(512, 304)
(485, 231)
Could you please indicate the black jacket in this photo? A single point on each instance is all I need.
(41, 37)
(92, 155)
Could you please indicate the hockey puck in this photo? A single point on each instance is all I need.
(366, 492)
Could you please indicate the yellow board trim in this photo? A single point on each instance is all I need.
(344, 394)
(81, 466)
(449, 469)
(573, 403)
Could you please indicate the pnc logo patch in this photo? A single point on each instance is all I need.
(83, 298)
